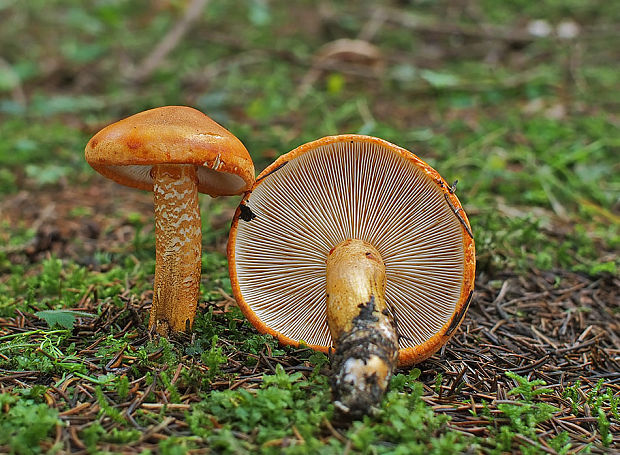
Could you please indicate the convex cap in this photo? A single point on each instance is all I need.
(352, 187)
(126, 150)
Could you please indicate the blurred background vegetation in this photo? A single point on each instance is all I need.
(517, 100)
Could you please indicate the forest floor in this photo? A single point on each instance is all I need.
(518, 102)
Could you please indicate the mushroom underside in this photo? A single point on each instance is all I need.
(347, 190)
(209, 180)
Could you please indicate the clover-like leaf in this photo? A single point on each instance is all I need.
(62, 318)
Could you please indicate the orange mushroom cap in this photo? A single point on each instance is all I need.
(350, 186)
(126, 150)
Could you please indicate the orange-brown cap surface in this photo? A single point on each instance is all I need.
(126, 150)
(339, 187)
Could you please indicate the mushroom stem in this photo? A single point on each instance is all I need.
(361, 325)
(178, 248)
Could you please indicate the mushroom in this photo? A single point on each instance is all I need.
(174, 151)
(354, 244)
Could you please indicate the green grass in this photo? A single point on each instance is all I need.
(530, 131)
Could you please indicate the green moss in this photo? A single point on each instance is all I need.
(25, 423)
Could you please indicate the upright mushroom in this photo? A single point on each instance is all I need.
(176, 152)
(354, 243)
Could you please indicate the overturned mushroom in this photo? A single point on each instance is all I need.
(352, 242)
(176, 152)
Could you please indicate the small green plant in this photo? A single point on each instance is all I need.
(561, 443)
(41, 350)
(572, 394)
(527, 389)
(405, 382)
(24, 423)
(213, 358)
(174, 395)
(596, 399)
(176, 445)
(255, 343)
(62, 318)
(523, 415)
(122, 388)
(161, 349)
(106, 407)
(96, 433)
(319, 360)
(438, 381)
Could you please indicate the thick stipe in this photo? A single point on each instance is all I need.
(178, 248)
(361, 325)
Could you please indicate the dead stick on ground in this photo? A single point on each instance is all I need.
(431, 24)
(170, 40)
(151, 431)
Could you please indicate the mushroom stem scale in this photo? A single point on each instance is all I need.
(361, 325)
(178, 239)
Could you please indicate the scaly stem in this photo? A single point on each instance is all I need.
(361, 325)
(178, 239)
